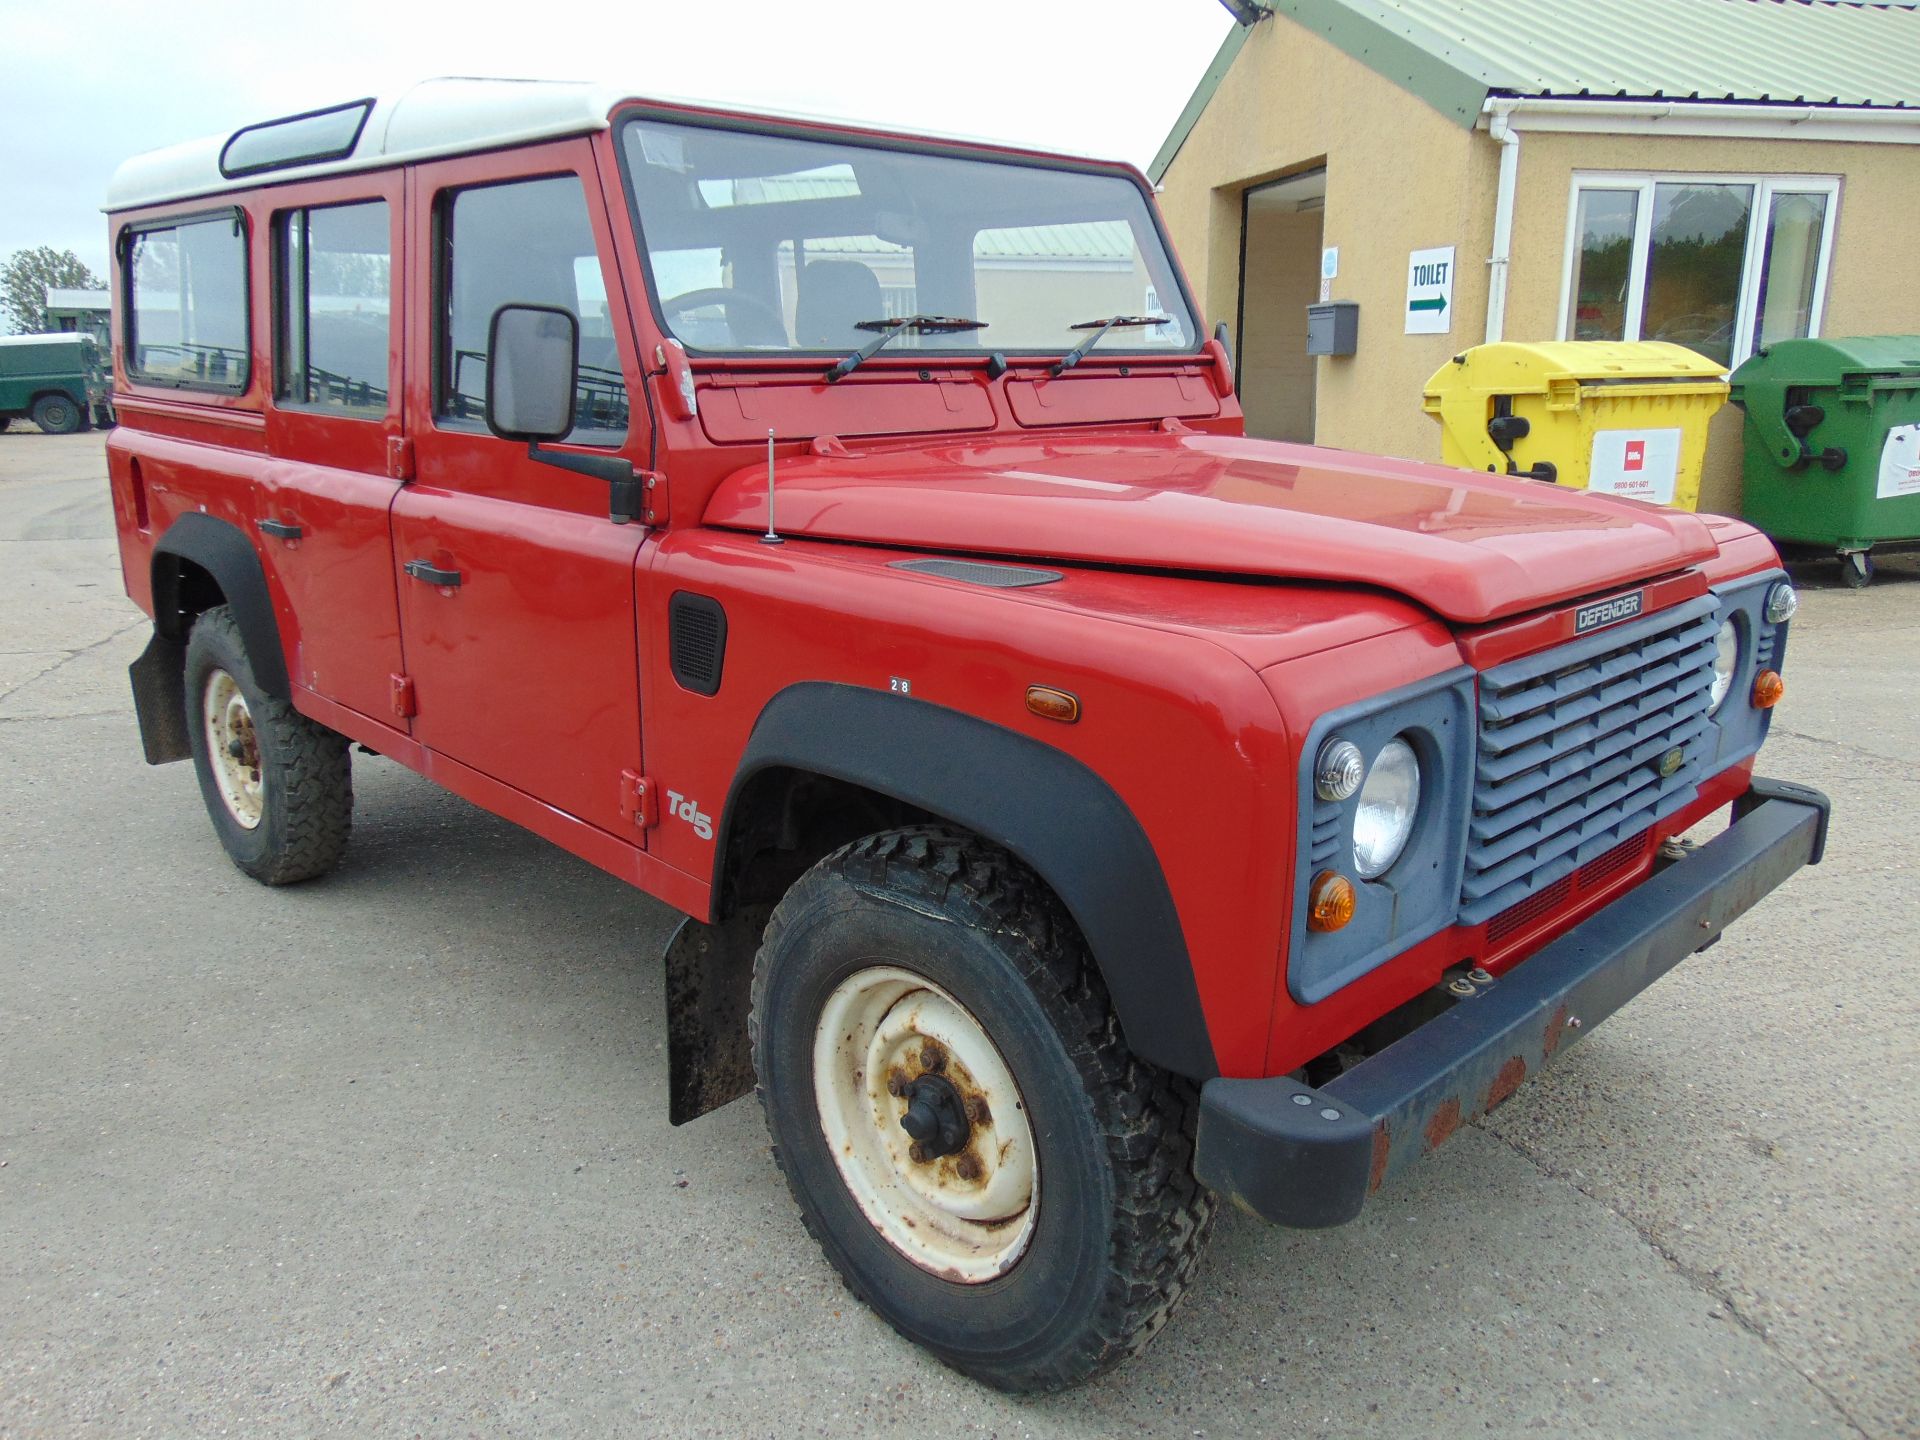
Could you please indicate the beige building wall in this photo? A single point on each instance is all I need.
(1401, 177)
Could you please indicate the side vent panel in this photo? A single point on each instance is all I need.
(696, 641)
(976, 572)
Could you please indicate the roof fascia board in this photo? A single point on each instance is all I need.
(1197, 102)
(1410, 56)
(1707, 119)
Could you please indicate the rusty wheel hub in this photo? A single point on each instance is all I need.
(925, 1124)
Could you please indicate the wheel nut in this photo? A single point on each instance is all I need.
(977, 1111)
(932, 1058)
(917, 1153)
(897, 1083)
(967, 1167)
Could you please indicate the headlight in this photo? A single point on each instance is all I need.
(1388, 802)
(1726, 659)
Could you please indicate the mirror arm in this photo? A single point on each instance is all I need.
(622, 479)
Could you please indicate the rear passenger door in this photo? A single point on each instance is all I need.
(334, 432)
(516, 590)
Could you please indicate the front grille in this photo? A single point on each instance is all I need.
(1571, 742)
(1591, 876)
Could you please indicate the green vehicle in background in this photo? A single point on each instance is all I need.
(60, 382)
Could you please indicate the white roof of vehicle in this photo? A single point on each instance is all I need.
(452, 115)
(58, 337)
(59, 299)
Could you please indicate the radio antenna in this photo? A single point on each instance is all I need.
(772, 537)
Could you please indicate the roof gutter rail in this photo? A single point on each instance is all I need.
(1757, 120)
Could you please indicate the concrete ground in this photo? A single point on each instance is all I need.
(388, 1155)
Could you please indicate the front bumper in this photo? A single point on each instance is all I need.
(1310, 1157)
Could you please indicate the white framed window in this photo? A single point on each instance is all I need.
(1722, 264)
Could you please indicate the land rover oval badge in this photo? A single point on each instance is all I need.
(1671, 762)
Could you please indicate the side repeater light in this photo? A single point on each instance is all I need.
(1330, 901)
(1768, 687)
(1051, 704)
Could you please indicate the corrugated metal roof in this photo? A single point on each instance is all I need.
(1454, 53)
(1816, 52)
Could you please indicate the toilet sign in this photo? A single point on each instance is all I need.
(1430, 291)
(1639, 464)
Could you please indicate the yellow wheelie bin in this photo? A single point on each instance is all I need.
(1615, 417)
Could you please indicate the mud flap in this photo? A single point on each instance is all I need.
(709, 995)
(159, 679)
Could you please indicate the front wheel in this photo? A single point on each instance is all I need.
(278, 786)
(970, 1140)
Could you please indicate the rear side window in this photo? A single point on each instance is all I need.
(187, 303)
(334, 306)
(525, 243)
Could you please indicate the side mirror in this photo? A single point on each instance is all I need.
(533, 371)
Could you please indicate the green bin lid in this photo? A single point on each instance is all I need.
(1828, 362)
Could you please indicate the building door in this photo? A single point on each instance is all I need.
(1280, 242)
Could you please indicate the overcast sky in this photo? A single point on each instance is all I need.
(86, 86)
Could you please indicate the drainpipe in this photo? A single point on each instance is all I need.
(1501, 127)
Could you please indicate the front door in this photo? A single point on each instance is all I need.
(516, 590)
(332, 432)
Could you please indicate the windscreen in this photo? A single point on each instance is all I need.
(767, 243)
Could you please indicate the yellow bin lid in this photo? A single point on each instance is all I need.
(1512, 367)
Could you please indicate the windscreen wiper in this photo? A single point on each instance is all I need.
(1100, 327)
(890, 327)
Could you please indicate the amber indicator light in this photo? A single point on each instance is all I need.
(1051, 704)
(1330, 901)
(1768, 687)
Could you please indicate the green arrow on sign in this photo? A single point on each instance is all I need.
(1438, 302)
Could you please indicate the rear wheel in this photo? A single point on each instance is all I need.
(969, 1139)
(57, 415)
(278, 786)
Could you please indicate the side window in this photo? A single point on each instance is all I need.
(334, 299)
(526, 242)
(187, 303)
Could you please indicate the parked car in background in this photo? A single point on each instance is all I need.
(60, 382)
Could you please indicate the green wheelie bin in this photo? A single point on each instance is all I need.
(1833, 445)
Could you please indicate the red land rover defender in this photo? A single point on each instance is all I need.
(1082, 811)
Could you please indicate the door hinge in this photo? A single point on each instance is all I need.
(399, 458)
(638, 802)
(654, 505)
(404, 704)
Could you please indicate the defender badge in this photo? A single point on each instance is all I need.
(1608, 612)
(1671, 762)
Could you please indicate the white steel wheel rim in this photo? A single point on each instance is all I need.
(965, 1217)
(233, 749)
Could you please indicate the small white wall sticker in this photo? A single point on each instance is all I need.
(1899, 463)
(1639, 464)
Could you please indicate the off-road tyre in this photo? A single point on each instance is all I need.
(305, 775)
(1120, 1221)
(58, 415)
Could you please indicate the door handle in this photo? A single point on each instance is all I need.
(280, 528)
(429, 573)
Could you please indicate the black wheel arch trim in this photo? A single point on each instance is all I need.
(1046, 807)
(225, 552)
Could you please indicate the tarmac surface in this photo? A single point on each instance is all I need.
(388, 1154)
